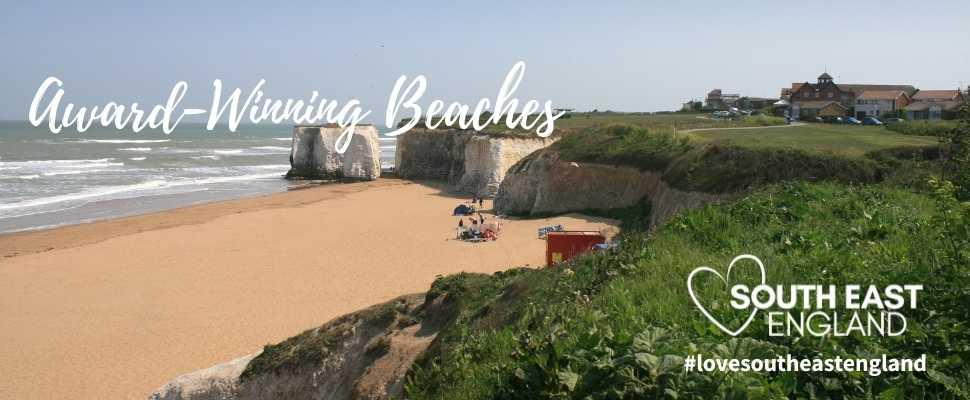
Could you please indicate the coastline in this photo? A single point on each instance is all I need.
(115, 308)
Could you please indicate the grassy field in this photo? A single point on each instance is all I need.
(841, 139)
(661, 121)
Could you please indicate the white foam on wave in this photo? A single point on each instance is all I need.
(122, 141)
(44, 165)
(137, 158)
(271, 148)
(283, 139)
(23, 177)
(22, 208)
(228, 152)
(136, 149)
(205, 158)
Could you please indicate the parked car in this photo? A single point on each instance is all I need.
(894, 120)
(819, 119)
(852, 121)
(833, 120)
(871, 121)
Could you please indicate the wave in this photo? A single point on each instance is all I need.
(57, 164)
(284, 139)
(281, 148)
(228, 152)
(136, 149)
(121, 141)
(24, 177)
(253, 151)
(108, 192)
(137, 158)
(205, 158)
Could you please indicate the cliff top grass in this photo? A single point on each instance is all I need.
(661, 121)
(617, 325)
(848, 140)
(668, 121)
(728, 160)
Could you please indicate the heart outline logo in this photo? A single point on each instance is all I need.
(725, 278)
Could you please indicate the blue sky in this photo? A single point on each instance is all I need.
(628, 56)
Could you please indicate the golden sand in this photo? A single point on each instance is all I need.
(114, 309)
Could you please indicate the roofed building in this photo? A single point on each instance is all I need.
(821, 108)
(876, 103)
(935, 104)
(825, 89)
(716, 100)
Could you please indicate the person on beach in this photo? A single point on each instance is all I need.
(481, 202)
(481, 219)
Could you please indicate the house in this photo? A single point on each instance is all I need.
(821, 108)
(754, 103)
(934, 104)
(716, 100)
(876, 103)
(825, 89)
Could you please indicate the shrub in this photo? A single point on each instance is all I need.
(921, 128)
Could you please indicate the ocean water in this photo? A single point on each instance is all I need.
(49, 180)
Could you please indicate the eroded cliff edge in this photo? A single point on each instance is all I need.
(362, 355)
(544, 184)
(690, 176)
(472, 162)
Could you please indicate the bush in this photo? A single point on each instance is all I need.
(617, 325)
(623, 145)
(921, 128)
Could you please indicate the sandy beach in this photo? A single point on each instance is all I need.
(114, 309)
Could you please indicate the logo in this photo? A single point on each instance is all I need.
(811, 310)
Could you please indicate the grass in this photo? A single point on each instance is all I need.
(729, 160)
(617, 325)
(845, 140)
(673, 121)
(921, 128)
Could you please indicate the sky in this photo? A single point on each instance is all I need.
(622, 56)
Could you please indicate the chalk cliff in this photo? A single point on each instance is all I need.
(363, 355)
(472, 162)
(543, 184)
(314, 154)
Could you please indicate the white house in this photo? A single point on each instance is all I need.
(875, 103)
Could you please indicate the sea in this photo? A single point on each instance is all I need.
(49, 180)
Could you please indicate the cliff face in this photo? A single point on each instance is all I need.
(314, 155)
(474, 163)
(364, 355)
(543, 184)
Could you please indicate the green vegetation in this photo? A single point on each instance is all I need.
(728, 160)
(921, 128)
(667, 122)
(616, 325)
(847, 140)
(623, 145)
(670, 121)
(312, 347)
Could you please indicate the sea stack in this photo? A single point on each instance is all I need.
(314, 154)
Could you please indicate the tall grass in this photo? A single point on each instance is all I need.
(614, 326)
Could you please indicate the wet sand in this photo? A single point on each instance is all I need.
(114, 309)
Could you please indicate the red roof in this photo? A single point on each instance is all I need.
(936, 95)
(881, 94)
